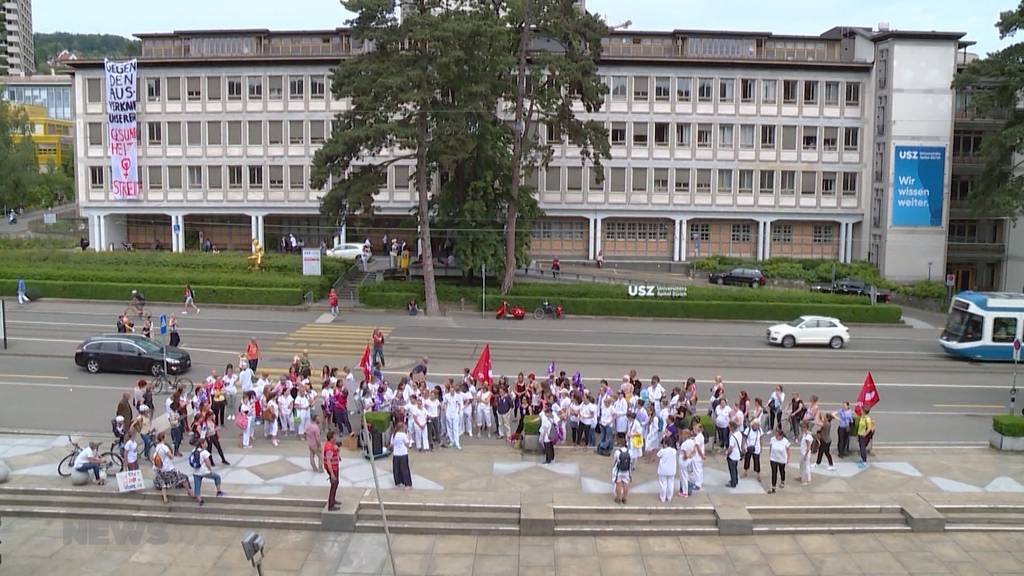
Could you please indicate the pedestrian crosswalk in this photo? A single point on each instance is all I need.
(333, 344)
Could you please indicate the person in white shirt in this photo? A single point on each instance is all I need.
(588, 418)
(484, 414)
(547, 434)
(778, 456)
(607, 421)
(699, 456)
(165, 475)
(723, 412)
(301, 407)
(621, 473)
(468, 395)
(203, 471)
(285, 414)
(131, 451)
(620, 408)
(666, 472)
(657, 391)
(432, 406)
(806, 443)
(418, 416)
(88, 460)
(400, 457)
(248, 408)
(230, 379)
(654, 429)
(776, 402)
(752, 452)
(634, 439)
(261, 384)
(453, 414)
(732, 458)
(687, 452)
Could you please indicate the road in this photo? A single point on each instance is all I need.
(926, 397)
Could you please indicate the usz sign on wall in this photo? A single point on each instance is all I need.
(918, 185)
(653, 291)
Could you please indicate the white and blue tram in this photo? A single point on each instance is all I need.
(983, 325)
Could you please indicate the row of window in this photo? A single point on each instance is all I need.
(256, 177)
(659, 231)
(730, 136)
(219, 88)
(237, 133)
(725, 181)
(730, 90)
(781, 233)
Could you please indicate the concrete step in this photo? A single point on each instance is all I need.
(990, 517)
(177, 517)
(605, 511)
(441, 508)
(638, 519)
(438, 527)
(153, 495)
(812, 518)
(627, 530)
(409, 515)
(213, 505)
(831, 529)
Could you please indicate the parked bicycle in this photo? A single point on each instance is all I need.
(165, 384)
(112, 462)
(548, 309)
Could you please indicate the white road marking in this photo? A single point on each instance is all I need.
(765, 348)
(189, 329)
(212, 351)
(33, 376)
(54, 340)
(66, 386)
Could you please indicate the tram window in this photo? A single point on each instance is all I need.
(1004, 330)
(964, 327)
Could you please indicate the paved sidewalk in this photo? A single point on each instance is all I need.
(86, 547)
(490, 465)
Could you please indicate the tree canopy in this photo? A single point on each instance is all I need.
(49, 45)
(995, 83)
(23, 184)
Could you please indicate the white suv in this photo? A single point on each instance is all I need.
(810, 330)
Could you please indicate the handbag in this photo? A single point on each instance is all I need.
(242, 420)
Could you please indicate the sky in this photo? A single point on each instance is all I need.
(975, 17)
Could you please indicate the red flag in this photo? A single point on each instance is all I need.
(364, 363)
(868, 396)
(482, 371)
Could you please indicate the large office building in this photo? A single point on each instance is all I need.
(51, 91)
(17, 44)
(831, 146)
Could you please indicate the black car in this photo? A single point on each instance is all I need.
(853, 287)
(739, 277)
(129, 353)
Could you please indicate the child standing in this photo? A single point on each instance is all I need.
(687, 451)
(666, 472)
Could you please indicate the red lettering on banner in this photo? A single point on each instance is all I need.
(123, 134)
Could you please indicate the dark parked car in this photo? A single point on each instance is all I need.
(129, 353)
(853, 287)
(739, 277)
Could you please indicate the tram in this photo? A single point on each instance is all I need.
(983, 325)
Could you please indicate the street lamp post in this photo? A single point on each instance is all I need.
(1013, 384)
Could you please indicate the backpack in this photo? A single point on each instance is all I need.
(195, 460)
(330, 404)
(624, 461)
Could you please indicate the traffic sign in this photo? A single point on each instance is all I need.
(950, 280)
(176, 228)
(1016, 350)
(163, 324)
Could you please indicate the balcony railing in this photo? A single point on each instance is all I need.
(972, 114)
(964, 248)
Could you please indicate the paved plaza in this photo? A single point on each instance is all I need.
(88, 547)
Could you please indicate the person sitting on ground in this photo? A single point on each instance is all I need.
(412, 308)
(87, 460)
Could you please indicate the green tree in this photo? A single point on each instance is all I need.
(558, 49)
(996, 83)
(420, 90)
(49, 44)
(19, 170)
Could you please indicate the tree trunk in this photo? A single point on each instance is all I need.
(518, 144)
(429, 286)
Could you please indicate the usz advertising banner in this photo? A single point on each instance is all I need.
(917, 193)
(122, 129)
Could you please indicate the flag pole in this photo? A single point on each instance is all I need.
(368, 444)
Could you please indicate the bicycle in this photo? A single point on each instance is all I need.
(164, 384)
(110, 461)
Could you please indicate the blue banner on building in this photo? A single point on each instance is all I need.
(917, 185)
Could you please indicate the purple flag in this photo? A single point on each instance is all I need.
(577, 379)
(551, 368)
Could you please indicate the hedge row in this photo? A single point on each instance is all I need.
(173, 277)
(154, 292)
(221, 262)
(779, 311)
(1008, 425)
(452, 293)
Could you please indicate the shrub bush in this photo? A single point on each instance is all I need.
(1008, 425)
(708, 424)
(378, 421)
(154, 292)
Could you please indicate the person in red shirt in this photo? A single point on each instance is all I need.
(332, 300)
(331, 463)
(378, 347)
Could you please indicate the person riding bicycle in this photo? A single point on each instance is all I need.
(138, 302)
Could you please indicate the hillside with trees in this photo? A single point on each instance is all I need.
(49, 45)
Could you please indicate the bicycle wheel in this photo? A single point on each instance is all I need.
(112, 463)
(160, 385)
(187, 386)
(65, 466)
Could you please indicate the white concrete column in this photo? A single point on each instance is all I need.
(591, 246)
(181, 232)
(760, 240)
(598, 236)
(94, 232)
(259, 231)
(842, 242)
(102, 227)
(254, 230)
(767, 240)
(174, 237)
(684, 236)
(849, 242)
